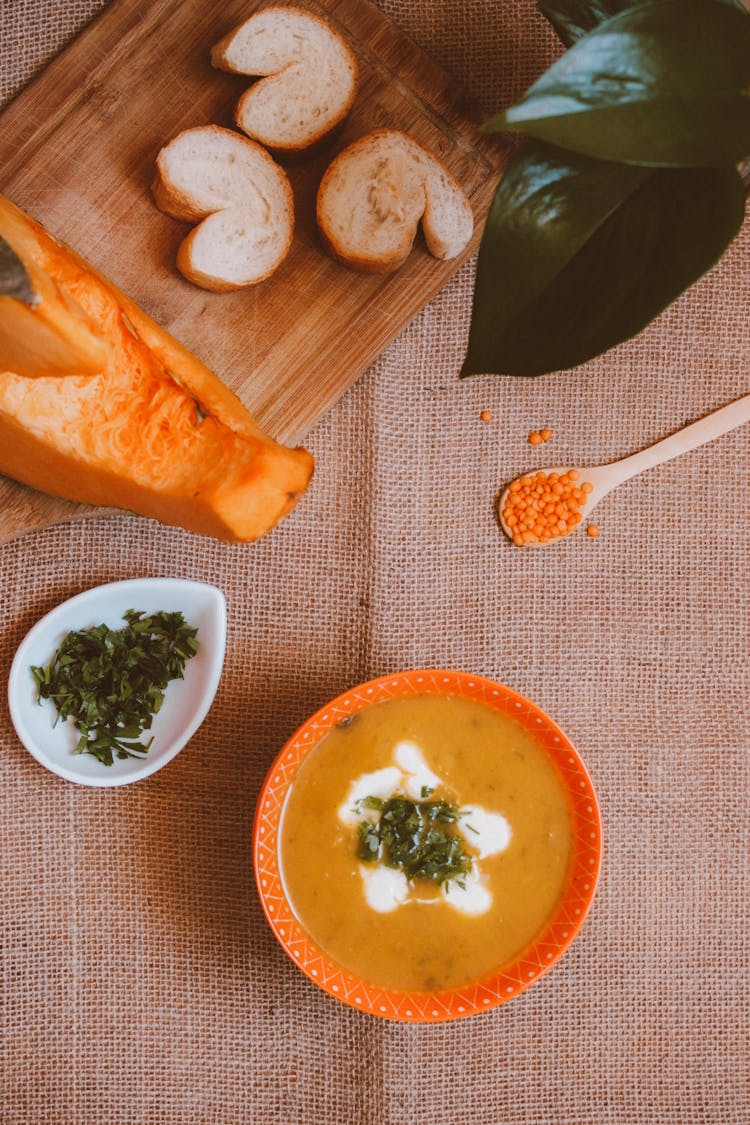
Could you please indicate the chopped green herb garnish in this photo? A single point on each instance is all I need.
(111, 682)
(427, 791)
(371, 803)
(419, 837)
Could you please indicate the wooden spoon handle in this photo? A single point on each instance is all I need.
(691, 437)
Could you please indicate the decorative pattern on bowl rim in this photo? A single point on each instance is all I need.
(534, 961)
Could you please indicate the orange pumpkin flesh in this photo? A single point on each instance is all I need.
(152, 430)
(54, 336)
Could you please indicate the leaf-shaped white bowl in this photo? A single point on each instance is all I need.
(186, 701)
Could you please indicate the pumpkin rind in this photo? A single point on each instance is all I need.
(149, 428)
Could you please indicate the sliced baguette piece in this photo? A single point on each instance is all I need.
(375, 192)
(243, 198)
(309, 77)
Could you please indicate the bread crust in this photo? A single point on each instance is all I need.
(181, 204)
(314, 139)
(366, 261)
(220, 59)
(184, 262)
(361, 263)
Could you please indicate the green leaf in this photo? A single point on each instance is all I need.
(572, 19)
(579, 254)
(665, 84)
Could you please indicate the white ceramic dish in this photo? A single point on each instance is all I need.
(186, 702)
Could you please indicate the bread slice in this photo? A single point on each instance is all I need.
(310, 82)
(243, 197)
(373, 196)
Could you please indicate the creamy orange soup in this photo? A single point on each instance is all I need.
(478, 759)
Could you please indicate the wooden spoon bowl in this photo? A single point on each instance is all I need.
(604, 478)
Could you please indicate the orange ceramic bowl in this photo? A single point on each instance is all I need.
(510, 979)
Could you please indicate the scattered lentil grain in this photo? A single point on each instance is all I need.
(486, 416)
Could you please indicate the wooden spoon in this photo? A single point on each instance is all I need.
(606, 477)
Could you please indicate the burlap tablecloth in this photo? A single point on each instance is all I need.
(140, 983)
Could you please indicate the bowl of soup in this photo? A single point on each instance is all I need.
(427, 845)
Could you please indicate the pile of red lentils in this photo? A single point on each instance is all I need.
(542, 507)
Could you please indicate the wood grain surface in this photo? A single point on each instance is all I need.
(77, 151)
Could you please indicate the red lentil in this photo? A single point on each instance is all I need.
(540, 508)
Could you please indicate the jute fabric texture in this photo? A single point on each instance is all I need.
(140, 983)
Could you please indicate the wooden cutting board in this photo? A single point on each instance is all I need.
(77, 151)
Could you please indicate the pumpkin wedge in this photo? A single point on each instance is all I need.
(48, 333)
(101, 405)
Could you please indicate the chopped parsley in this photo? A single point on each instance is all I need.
(111, 682)
(418, 837)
